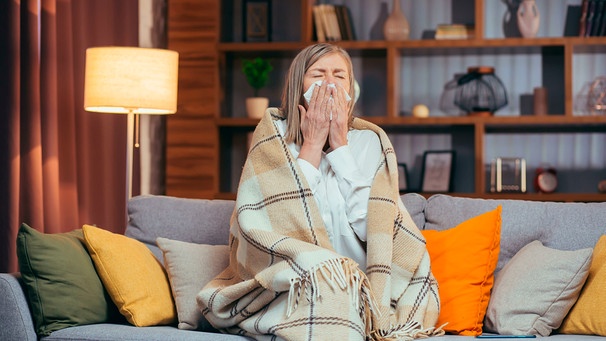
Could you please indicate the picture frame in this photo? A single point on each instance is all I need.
(257, 20)
(437, 171)
(402, 177)
(508, 174)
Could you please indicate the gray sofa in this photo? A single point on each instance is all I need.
(563, 226)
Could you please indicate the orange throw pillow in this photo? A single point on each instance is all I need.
(463, 260)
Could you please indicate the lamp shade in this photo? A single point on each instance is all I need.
(138, 80)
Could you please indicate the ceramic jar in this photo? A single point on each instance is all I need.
(396, 26)
(256, 106)
(528, 18)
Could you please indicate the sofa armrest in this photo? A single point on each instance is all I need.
(15, 318)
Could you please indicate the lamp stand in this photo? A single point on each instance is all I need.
(129, 154)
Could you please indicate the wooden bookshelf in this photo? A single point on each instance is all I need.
(207, 139)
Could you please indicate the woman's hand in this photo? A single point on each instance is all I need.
(338, 105)
(315, 124)
(324, 121)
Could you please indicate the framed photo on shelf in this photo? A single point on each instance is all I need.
(402, 177)
(436, 174)
(508, 174)
(257, 20)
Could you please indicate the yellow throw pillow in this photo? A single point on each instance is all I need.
(587, 315)
(463, 260)
(133, 277)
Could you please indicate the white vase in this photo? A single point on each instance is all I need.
(528, 18)
(256, 106)
(396, 26)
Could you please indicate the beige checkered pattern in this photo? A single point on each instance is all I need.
(285, 281)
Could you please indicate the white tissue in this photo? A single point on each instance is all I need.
(310, 91)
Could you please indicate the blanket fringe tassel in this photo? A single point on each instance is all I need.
(344, 274)
(339, 274)
(409, 331)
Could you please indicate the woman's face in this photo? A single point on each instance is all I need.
(331, 68)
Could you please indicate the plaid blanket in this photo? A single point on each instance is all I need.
(285, 281)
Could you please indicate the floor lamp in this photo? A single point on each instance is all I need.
(132, 81)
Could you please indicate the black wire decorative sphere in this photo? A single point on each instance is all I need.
(480, 92)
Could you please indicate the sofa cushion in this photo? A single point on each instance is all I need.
(587, 315)
(562, 226)
(415, 205)
(463, 260)
(534, 291)
(15, 316)
(190, 267)
(200, 221)
(61, 283)
(117, 332)
(132, 276)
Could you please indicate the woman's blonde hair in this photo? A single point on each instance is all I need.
(293, 89)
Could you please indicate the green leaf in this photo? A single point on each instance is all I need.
(257, 72)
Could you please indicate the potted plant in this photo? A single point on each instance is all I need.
(257, 74)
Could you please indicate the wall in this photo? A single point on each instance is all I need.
(191, 155)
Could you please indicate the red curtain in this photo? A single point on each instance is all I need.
(62, 167)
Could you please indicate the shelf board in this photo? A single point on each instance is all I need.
(264, 46)
(225, 196)
(494, 121)
(546, 124)
(546, 120)
(552, 197)
(419, 44)
(236, 122)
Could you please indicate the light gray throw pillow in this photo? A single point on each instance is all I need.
(535, 290)
(190, 267)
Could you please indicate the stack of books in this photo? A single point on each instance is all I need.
(592, 22)
(332, 23)
(454, 31)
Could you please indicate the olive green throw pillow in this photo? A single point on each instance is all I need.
(62, 285)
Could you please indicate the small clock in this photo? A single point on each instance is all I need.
(545, 180)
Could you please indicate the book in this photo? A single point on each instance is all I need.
(583, 18)
(590, 17)
(340, 23)
(454, 31)
(340, 11)
(328, 25)
(325, 22)
(597, 18)
(602, 31)
(349, 29)
(318, 24)
(571, 27)
(332, 23)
